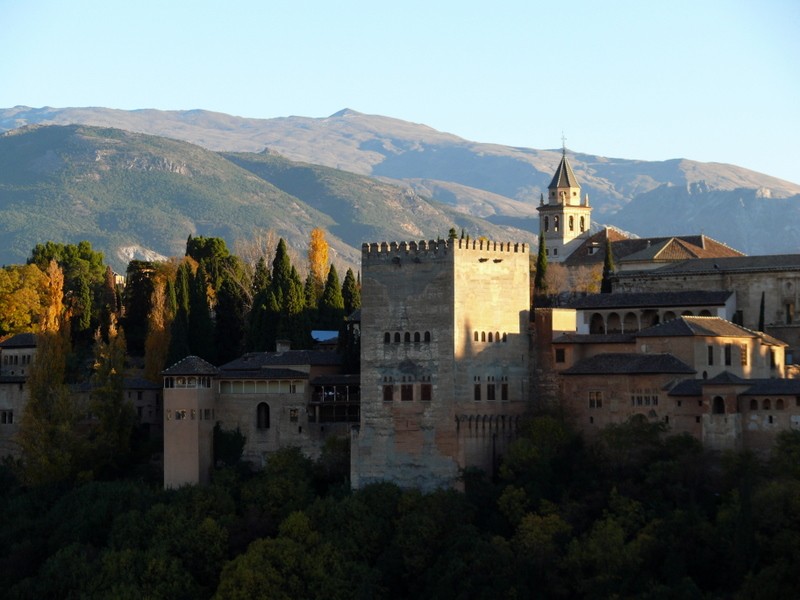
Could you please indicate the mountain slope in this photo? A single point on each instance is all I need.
(135, 195)
(499, 183)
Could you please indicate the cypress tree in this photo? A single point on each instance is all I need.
(351, 294)
(230, 329)
(331, 306)
(281, 270)
(608, 268)
(261, 278)
(201, 328)
(540, 281)
(116, 417)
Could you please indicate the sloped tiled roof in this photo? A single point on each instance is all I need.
(729, 264)
(655, 249)
(757, 387)
(726, 378)
(265, 373)
(687, 387)
(21, 340)
(696, 326)
(629, 364)
(260, 360)
(191, 365)
(595, 338)
(650, 299)
(564, 176)
(774, 387)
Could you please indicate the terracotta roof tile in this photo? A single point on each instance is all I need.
(629, 364)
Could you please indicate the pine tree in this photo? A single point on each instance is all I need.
(351, 294)
(540, 281)
(608, 268)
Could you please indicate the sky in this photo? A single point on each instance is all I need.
(707, 80)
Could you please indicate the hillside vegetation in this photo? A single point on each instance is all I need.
(499, 184)
(139, 196)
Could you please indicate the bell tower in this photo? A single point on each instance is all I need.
(565, 218)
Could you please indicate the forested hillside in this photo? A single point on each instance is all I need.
(634, 514)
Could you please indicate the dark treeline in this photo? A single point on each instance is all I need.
(634, 514)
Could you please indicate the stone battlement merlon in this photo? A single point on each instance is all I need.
(381, 250)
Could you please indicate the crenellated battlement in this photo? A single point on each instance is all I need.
(436, 248)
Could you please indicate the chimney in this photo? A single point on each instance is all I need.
(283, 345)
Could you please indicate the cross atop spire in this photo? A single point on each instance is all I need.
(563, 144)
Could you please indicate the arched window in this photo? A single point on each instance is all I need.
(767, 405)
(630, 323)
(555, 223)
(262, 416)
(547, 223)
(753, 404)
(387, 337)
(491, 337)
(407, 337)
(496, 336)
(583, 224)
(416, 337)
(427, 336)
(476, 336)
(483, 336)
(614, 324)
(718, 407)
(571, 223)
(779, 404)
(596, 324)
(668, 316)
(396, 337)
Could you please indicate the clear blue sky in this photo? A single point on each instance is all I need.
(702, 79)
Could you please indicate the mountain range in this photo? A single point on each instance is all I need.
(138, 182)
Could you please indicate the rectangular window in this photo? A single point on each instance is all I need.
(388, 393)
(180, 415)
(560, 355)
(504, 392)
(293, 412)
(490, 390)
(710, 355)
(477, 392)
(744, 354)
(426, 392)
(406, 392)
(728, 352)
(772, 359)
(595, 399)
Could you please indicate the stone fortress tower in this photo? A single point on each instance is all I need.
(444, 359)
(565, 219)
